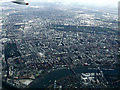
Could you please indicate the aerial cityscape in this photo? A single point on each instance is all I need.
(50, 45)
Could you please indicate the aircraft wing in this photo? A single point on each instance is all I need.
(22, 2)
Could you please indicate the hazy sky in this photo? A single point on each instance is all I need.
(98, 2)
(110, 3)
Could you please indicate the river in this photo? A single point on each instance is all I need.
(58, 74)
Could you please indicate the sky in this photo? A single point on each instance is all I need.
(111, 3)
(91, 2)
